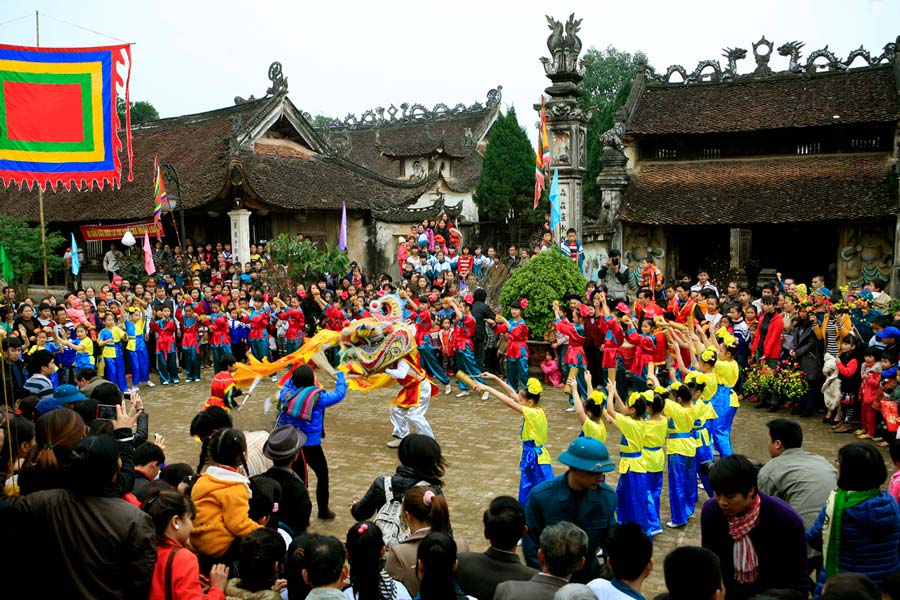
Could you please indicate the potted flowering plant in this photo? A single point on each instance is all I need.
(789, 382)
(759, 382)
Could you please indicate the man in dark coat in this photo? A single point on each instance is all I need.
(283, 447)
(480, 572)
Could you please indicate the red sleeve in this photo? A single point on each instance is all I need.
(850, 369)
(565, 328)
(186, 579)
(773, 337)
(633, 337)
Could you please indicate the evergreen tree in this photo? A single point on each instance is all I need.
(609, 75)
(141, 112)
(505, 193)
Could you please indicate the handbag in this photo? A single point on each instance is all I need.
(169, 593)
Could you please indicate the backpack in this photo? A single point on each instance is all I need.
(388, 516)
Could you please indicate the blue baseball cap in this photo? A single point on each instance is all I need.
(68, 393)
(587, 454)
(889, 332)
(47, 404)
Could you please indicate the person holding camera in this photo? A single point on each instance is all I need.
(614, 275)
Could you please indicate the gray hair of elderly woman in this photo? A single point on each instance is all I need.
(563, 546)
(574, 591)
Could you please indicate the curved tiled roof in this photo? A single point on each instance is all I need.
(761, 190)
(282, 176)
(866, 95)
(196, 145)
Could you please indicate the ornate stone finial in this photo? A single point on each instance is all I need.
(564, 45)
(494, 96)
(762, 52)
(792, 49)
(279, 81)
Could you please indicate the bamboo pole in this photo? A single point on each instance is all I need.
(37, 35)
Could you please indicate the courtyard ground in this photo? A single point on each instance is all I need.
(478, 438)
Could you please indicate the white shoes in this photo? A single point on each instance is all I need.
(394, 443)
(447, 389)
(570, 409)
(151, 384)
(485, 395)
(463, 394)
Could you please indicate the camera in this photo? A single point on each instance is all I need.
(126, 395)
(615, 261)
(106, 412)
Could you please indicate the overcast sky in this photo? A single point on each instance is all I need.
(345, 56)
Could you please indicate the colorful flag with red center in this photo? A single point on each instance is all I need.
(160, 197)
(542, 158)
(544, 137)
(58, 120)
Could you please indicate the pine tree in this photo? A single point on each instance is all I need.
(505, 193)
(608, 77)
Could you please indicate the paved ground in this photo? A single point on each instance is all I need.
(479, 439)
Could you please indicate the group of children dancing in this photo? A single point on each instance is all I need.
(673, 427)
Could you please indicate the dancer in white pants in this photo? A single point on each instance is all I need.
(412, 402)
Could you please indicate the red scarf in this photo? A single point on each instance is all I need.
(746, 563)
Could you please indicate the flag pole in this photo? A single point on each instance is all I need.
(37, 35)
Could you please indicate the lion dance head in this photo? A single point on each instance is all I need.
(374, 343)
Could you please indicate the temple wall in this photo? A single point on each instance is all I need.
(865, 252)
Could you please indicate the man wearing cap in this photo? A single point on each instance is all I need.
(579, 496)
(284, 447)
(889, 336)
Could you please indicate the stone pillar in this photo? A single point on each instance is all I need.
(567, 128)
(240, 233)
(612, 181)
(566, 120)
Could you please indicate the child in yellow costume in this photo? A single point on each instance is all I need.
(535, 463)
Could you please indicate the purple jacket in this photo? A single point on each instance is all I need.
(780, 543)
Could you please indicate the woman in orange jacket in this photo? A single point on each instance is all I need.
(222, 496)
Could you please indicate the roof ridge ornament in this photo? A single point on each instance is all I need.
(710, 70)
(762, 56)
(414, 113)
(279, 81)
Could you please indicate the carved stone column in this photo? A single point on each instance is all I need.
(566, 119)
(612, 181)
(240, 233)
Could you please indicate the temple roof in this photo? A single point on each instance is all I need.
(196, 145)
(380, 140)
(761, 190)
(295, 169)
(867, 95)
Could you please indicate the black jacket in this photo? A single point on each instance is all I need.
(807, 351)
(15, 378)
(480, 572)
(374, 498)
(295, 506)
(89, 547)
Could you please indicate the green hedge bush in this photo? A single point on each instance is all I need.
(547, 277)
